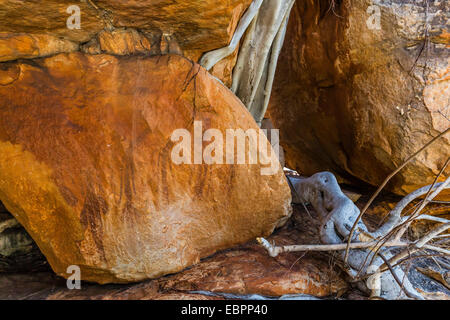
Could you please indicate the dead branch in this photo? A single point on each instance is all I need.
(338, 213)
(384, 184)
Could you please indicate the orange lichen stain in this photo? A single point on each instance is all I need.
(443, 38)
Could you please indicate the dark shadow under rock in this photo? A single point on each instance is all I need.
(18, 252)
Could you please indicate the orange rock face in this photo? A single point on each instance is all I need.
(198, 26)
(359, 101)
(252, 271)
(243, 270)
(120, 27)
(16, 46)
(51, 19)
(85, 165)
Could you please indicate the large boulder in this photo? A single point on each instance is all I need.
(358, 100)
(86, 166)
(243, 270)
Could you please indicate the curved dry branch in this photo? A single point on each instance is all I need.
(386, 181)
(395, 214)
(338, 213)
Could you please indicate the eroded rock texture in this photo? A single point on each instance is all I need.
(120, 27)
(198, 26)
(243, 270)
(86, 165)
(359, 101)
(28, 46)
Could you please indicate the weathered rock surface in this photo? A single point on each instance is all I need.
(30, 30)
(237, 272)
(51, 19)
(27, 46)
(357, 101)
(250, 270)
(122, 42)
(243, 270)
(85, 165)
(198, 26)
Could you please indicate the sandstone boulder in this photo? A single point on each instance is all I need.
(236, 273)
(85, 165)
(358, 100)
(249, 270)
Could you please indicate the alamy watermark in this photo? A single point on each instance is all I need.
(74, 280)
(234, 146)
(74, 21)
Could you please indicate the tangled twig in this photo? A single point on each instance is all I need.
(385, 183)
(383, 276)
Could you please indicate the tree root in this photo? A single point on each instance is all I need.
(211, 58)
(383, 276)
(264, 24)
